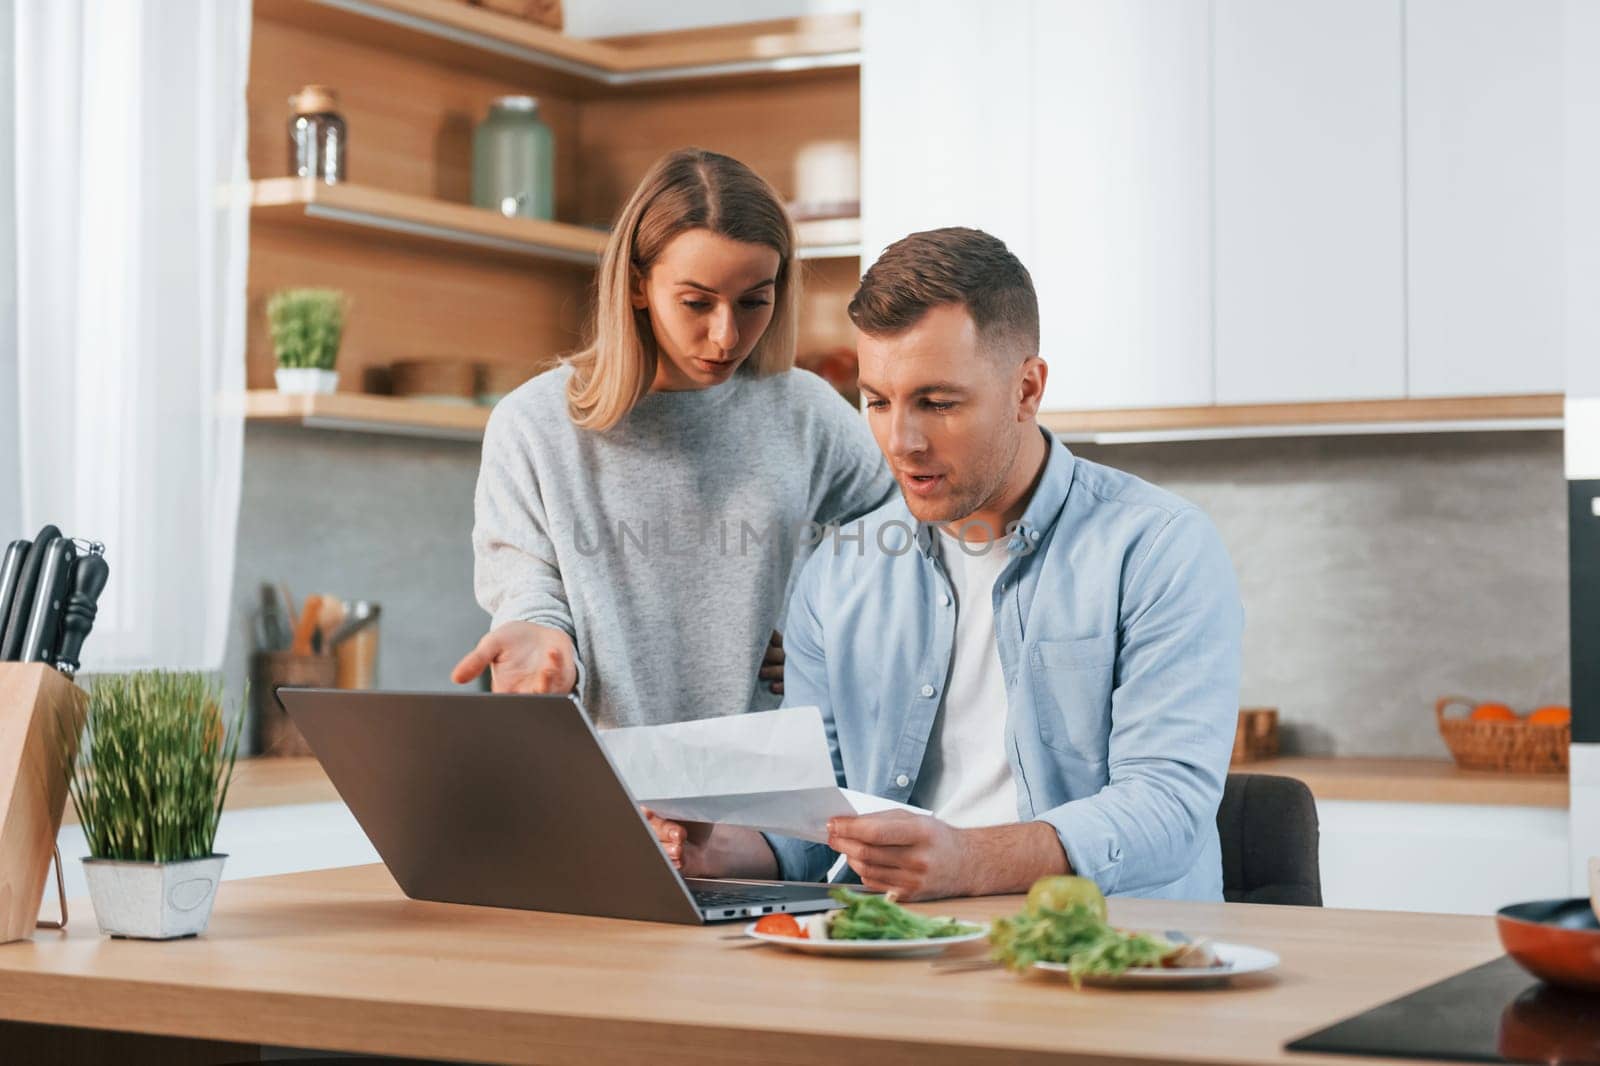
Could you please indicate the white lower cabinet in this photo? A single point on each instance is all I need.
(1442, 857)
(259, 842)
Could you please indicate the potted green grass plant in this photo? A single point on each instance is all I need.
(148, 784)
(306, 326)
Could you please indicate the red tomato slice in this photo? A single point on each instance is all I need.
(779, 925)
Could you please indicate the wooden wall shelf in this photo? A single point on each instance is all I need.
(309, 202)
(370, 414)
(449, 31)
(416, 76)
(303, 201)
(829, 238)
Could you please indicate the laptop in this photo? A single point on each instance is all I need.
(507, 800)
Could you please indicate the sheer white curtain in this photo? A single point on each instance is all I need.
(132, 231)
(10, 466)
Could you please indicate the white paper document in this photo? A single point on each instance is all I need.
(769, 770)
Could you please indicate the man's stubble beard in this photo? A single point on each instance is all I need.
(987, 484)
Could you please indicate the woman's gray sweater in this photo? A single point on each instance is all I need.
(665, 546)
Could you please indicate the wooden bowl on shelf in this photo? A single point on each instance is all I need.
(452, 381)
(497, 379)
(1493, 737)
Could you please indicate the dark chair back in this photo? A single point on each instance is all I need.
(1268, 827)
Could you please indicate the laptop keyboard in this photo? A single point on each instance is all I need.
(710, 897)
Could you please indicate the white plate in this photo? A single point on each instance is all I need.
(868, 948)
(1236, 959)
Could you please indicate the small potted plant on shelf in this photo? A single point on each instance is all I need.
(148, 785)
(306, 326)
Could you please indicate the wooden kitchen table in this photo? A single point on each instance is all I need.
(341, 960)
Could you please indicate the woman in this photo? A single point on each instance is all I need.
(639, 509)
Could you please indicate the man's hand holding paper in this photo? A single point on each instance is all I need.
(768, 771)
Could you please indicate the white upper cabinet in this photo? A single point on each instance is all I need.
(1247, 201)
(946, 118)
(1484, 205)
(1078, 134)
(1310, 230)
(1581, 166)
(1122, 201)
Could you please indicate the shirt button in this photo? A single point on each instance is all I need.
(944, 600)
(1034, 535)
(902, 781)
(927, 690)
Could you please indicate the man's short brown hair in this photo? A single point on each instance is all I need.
(955, 265)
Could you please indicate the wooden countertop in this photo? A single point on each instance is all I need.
(340, 960)
(279, 783)
(1416, 781)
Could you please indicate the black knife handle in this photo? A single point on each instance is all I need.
(89, 576)
(22, 602)
(11, 577)
(45, 618)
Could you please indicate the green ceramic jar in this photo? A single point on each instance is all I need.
(513, 160)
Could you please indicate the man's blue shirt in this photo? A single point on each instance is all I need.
(1118, 624)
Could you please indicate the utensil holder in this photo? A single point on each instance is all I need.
(358, 658)
(41, 717)
(1256, 736)
(275, 734)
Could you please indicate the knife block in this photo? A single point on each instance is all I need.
(41, 718)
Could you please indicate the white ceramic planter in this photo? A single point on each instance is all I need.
(153, 900)
(302, 380)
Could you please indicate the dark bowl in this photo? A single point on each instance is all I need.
(1556, 940)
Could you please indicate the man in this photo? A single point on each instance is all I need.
(1042, 651)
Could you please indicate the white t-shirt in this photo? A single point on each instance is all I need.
(966, 775)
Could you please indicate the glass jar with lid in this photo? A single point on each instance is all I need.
(317, 146)
(513, 160)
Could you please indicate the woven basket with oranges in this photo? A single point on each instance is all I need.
(1492, 736)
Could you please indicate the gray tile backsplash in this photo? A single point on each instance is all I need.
(1381, 572)
(363, 516)
(1377, 572)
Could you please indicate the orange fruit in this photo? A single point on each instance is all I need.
(1493, 712)
(1552, 715)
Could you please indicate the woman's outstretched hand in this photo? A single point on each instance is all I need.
(525, 658)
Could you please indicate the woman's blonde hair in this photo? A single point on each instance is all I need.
(689, 189)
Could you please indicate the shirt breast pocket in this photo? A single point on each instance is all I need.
(1072, 694)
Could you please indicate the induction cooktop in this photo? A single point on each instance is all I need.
(1491, 1013)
